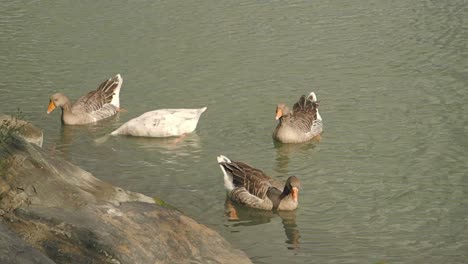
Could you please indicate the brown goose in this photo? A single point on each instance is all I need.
(94, 106)
(251, 187)
(301, 124)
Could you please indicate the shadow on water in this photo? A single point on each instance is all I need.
(243, 216)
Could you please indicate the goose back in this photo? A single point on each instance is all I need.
(162, 123)
(100, 103)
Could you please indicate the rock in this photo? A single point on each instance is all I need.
(13, 250)
(25, 129)
(73, 217)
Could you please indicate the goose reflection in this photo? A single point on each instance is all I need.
(284, 152)
(184, 144)
(77, 135)
(243, 216)
(173, 150)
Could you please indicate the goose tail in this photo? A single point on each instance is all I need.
(312, 97)
(116, 80)
(228, 181)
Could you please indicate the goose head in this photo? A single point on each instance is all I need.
(281, 110)
(56, 100)
(292, 186)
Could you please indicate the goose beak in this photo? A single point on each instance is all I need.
(279, 113)
(295, 194)
(51, 107)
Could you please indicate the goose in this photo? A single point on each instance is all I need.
(301, 124)
(92, 107)
(251, 187)
(162, 123)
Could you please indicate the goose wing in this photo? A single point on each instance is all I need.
(255, 181)
(97, 99)
(304, 114)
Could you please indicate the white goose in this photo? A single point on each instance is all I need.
(162, 123)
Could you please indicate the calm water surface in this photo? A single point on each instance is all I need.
(387, 183)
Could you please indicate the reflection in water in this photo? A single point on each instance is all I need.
(173, 150)
(169, 144)
(73, 134)
(243, 216)
(283, 152)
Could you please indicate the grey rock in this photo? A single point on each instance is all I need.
(14, 250)
(73, 217)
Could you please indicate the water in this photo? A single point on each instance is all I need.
(387, 183)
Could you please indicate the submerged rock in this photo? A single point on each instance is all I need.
(72, 217)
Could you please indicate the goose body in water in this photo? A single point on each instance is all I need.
(251, 187)
(162, 123)
(301, 124)
(96, 105)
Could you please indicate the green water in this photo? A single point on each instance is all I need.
(387, 183)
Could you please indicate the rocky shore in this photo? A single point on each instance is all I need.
(52, 211)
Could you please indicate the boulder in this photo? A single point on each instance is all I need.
(69, 216)
(26, 130)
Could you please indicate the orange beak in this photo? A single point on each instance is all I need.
(295, 194)
(51, 107)
(279, 113)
